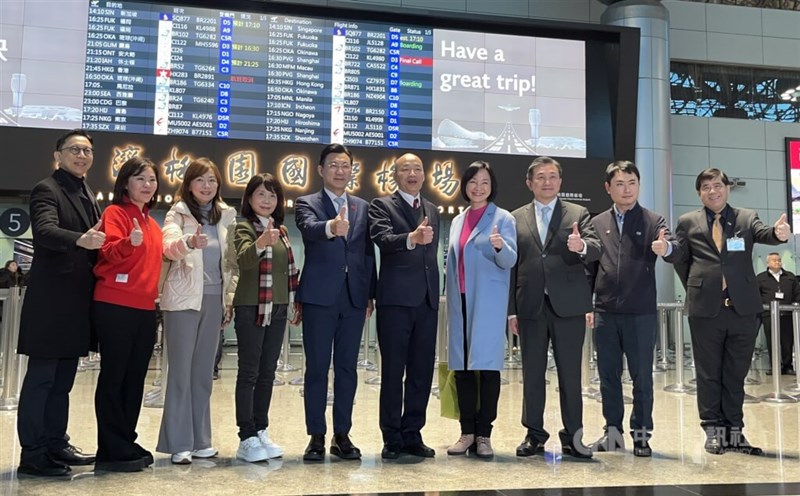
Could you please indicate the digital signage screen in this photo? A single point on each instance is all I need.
(793, 173)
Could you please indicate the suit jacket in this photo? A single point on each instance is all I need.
(552, 266)
(56, 312)
(331, 263)
(624, 279)
(700, 266)
(407, 277)
(788, 285)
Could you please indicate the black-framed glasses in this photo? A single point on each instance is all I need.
(77, 150)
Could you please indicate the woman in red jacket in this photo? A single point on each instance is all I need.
(124, 314)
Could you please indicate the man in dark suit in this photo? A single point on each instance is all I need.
(405, 227)
(714, 262)
(550, 296)
(337, 286)
(624, 284)
(55, 324)
(777, 284)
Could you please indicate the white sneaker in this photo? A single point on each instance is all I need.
(251, 450)
(205, 453)
(273, 450)
(182, 458)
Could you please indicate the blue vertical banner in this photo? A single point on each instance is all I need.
(393, 98)
(224, 85)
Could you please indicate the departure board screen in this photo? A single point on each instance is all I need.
(183, 71)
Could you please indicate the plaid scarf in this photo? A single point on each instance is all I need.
(265, 276)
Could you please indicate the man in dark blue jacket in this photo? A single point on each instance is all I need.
(336, 289)
(625, 304)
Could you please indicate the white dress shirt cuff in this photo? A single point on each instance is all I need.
(410, 245)
(329, 229)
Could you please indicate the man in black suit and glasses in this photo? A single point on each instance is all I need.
(714, 261)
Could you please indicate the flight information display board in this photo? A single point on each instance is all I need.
(199, 72)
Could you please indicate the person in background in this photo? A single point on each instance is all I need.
(11, 276)
(405, 228)
(197, 297)
(336, 291)
(265, 292)
(124, 314)
(482, 251)
(778, 284)
(55, 330)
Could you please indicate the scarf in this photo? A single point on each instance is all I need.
(265, 276)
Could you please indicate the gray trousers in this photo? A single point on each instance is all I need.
(191, 339)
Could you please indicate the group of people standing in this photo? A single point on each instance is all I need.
(535, 269)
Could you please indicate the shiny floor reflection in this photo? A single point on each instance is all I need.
(679, 465)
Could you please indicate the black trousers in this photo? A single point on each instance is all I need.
(43, 410)
(786, 335)
(407, 338)
(567, 335)
(259, 349)
(722, 348)
(126, 337)
(477, 400)
(634, 336)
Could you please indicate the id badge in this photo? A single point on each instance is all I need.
(779, 295)
(735, 244)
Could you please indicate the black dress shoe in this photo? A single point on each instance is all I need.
(419, 449)
(714, 445)
(607, 445)
(737, 443)
(71, 455)
(133, 465)
(42, 465)
(315, 451)
(530, 447)
(342, 447)
(787, 371)
(147, 457)
(390, 452)
(576, 451)
(642, 449)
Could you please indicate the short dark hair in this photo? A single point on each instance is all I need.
(622, 167)
(272, 184)
(334, 148)
(74, 132)
(773, 253)
(473, 169)
(132, 167)
(543, 161)
(710, 174)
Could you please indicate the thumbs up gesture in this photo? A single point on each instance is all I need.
(574, 242)
(660, 244)
(496, 239)
(136, 234)
(782, 229)
(423, 234)
(269, 237)
(198, 239)
(340, 225)
(92, 239)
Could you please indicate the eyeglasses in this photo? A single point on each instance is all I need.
(708, 188)
(77, 150)
(342, 166)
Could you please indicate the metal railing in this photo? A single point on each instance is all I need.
(13, 364)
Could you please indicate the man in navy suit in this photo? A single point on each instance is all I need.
(335, 294)
(405, 227)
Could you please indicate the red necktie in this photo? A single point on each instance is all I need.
(416, 203)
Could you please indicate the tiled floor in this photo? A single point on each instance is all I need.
(678, 467)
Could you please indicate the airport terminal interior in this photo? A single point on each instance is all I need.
(718, 86)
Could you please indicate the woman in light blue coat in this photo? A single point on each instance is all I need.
(483, 248)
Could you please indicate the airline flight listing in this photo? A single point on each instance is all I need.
(170, 70)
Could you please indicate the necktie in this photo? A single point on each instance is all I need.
(716, 235)
(416, 203)
(339, 204)
(543, 223)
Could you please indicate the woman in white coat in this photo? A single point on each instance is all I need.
(196, 299)
(482, 250)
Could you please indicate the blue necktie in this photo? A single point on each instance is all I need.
(543, 223)
(339, 204)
